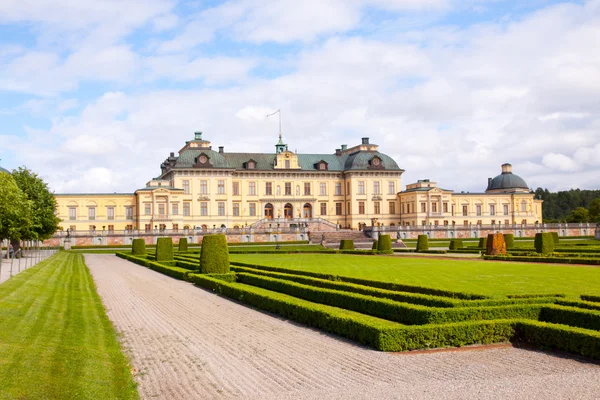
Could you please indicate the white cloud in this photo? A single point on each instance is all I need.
(559, 162)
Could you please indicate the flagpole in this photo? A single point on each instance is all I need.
(277, 112)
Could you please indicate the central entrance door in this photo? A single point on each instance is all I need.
(307, 211)
(269, 211)
(288, 211)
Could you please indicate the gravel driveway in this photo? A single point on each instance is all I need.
(187, 343)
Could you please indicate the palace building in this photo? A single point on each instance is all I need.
(201, 188)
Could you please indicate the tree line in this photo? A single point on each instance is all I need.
(27, 207)
(574, 205)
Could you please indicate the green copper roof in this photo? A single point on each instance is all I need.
(265, 162)
(507, 180)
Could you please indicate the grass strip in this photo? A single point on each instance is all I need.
(56, 341)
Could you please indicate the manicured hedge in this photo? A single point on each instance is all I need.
(346, 244)
(547, 335)
(589, 297)
(422, 243)
(465, 251)
(175, 272)
(384, 244)
(368, 282)
(266, 243)
(455, 244)
(550, 260)
(544, 243)
(588, 305)
(555, 238)
(192, 266)
(214, 257)
(164, 249)
(138, 247)
(229, 277)
(577, 317)
(482, 243)
(183, 244)
(509, 239)
(282, 251)
(375, 244)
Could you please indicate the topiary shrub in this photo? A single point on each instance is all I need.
(509, 239)
(456, 244)
(347, 244)
(164, 249)
(495, 244)
(138, 247)
(384, 244)
(375, 244)
(214, 255)
(183, 244)
(422, 243)
(555, 238)
(482, 243)
(544, 243)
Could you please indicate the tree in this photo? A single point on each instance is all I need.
(43, 204)
(580, 214)
(15, 210)
(594, 208)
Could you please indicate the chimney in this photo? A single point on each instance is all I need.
(197, 135)
(506, 168)
(221, 149)
(489, 182)
(365, 140)
(344, 147)
(338, 152)
(172, 154)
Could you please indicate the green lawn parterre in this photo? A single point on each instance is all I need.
(56, 341)
(393, 314)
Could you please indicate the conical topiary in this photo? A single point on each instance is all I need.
(422, 243)
(214, 255)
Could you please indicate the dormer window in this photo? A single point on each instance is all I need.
(322, 166)
(250, 164)
(202, 160)
(376, 163)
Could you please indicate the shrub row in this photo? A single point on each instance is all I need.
(455, 244)
(547, 335)
(172, 271)
(283, 251)
(544, 242)
(588, 305)
(465, 251)
(346, 244)
(192, 266)
(589, 297)
(551, 260)
(229, 277)
(266, 243)
(405, 313)
(399, 287)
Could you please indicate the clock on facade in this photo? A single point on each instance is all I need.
(202, 159)
(376, 162)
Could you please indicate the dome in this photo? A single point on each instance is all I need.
(507, 181)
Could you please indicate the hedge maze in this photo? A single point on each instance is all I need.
(395, 317)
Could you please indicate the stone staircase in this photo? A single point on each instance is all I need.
(333, 238)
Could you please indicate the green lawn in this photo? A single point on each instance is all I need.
(56, 341)
(476, 276)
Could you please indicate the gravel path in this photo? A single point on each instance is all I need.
(187, 343)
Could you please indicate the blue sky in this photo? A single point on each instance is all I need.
(95, 94)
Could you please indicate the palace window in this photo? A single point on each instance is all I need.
(236, 209)
(377, 207)
(523, 206)
(161, 209)
(479, 222)
(186, 208)
(236, 188)
(391, 187)
(175, 227)
(436, 222)
(288, 188)
(129, 228)
(392, 207)
(128, 212)
(376, 188)
(361, 207)
(221, 187)
(92, 213)
(493, 222)
(252, 188)
(204, 208)
(203, 187)
(323, 188)
(445, 205)
(162, 227)
(505, 209)
(252, 209)
(287, 164)
(323, 208)
(338, 188)
(347, 187)
(110, 213)
(403, 208)
(492, 209)
(434, 207)
(423, 207)
(186, 186)
(338, 208)
(147, 227)
(72, 213)
(505, 222)
(466, 223)
(423, 222)
(269, 188)
(478, 209)
(147, 209)
(361, 187)
(307, 188)
(445, 222)
(175, 209)
(348, 207)
(221, 208)
(465, 211)
(111, 228)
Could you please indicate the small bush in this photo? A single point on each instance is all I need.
(138, 247)
(214, 256)
(455, 244)
(164, 249)
(183, 244)
(375, 244)
(495, 244)
(544, 243)
(509, 239)
(555, 238)
(422, 243)
(482, 243)
(346, 244)
(384, 244)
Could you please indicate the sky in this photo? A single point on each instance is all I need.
(95, 94)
